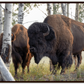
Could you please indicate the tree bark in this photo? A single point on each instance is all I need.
(6, 46)
(5, 74)
(67, 9)
(54, 8)
(49, 8)
(20, 13)
(76, 14)
(1, 22)
(63, 6)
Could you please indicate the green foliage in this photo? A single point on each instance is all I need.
(81, 12)
(27, 8)
(78, 73)
(56, 8)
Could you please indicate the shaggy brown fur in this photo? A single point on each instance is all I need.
(20, 47)
(77, 30)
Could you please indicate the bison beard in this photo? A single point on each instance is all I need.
(57, 45)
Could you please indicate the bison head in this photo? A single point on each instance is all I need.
(41, 36)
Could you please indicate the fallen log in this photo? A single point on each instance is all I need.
(5, 74)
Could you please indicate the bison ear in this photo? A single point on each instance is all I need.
(13, 37)
(51, 34)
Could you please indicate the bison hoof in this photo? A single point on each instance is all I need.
(28, 71)
(62, 72)
(76, 69)
(15, 76)
(23, 72)
(53, 73)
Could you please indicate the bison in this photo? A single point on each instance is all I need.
(52, 38)
(20, 47)
(58, 37)
(77, 30)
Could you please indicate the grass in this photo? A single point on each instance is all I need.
(41, 72)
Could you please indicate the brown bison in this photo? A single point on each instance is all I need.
(52, 38)
(77, 30)
(20, 47)
(58, 37)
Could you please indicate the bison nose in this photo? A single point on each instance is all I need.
(32, 50)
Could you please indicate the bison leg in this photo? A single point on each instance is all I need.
(28, 63)
(75, 60)
(16, 66)
(53, 62)
(54, 70)
(28, 69)
(23, 70)
(51, 66)
(79, 59)
(66, 61)
(23, 67)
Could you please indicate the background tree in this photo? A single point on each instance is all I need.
(81, 12)
(6, 47)
(20, 13)
(1, 22)
(27, 8)
(67, 9)
(56, 7)
(63, 6)
(77, 12)
(49, 8)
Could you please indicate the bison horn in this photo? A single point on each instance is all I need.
(47, 33)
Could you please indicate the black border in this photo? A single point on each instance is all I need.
(41, 1)
(44, 3)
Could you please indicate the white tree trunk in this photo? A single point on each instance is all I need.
(1, 22)
(67, 9)
(76, 13)
(7, 42)
(7, 26)
(20, 13)
(49, 8)
(6, 75)
(54, 8)
(63, 6)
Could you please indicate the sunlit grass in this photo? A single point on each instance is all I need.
(41, 72)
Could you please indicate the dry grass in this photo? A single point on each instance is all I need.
(41, 72)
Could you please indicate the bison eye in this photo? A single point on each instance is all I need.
(33, 50)
(40, 42)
